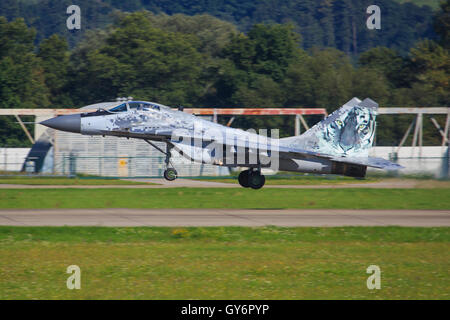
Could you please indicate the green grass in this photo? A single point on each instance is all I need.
(224, 198)
(65, 181)
(224, 263)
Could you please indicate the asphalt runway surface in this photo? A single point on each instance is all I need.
(223, 217)
(189, 183)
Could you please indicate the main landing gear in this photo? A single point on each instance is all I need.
(251, 178)
(170, 174)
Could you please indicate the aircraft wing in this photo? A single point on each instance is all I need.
(147, 134)
(252, 145)
(289, 152)
(150, 134)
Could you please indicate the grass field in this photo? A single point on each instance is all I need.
(226, 198)
(224, 263)
(64, 181)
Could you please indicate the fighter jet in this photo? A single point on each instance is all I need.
(339, 144)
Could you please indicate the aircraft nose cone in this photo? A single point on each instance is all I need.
(70, 123)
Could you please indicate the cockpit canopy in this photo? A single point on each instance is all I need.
(136, 105)
(119, 108)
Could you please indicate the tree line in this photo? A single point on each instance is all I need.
(202, 61)
(324, 23)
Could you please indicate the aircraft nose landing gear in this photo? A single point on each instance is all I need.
(170, 174)
(251, 179)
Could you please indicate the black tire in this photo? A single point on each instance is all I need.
(170, 174)
(243, 178)
(256, 180)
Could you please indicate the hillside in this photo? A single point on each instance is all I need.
(432, 3)
(325, 23)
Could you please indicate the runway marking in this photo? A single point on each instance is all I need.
(223, 217)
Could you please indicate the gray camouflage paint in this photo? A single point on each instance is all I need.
(345, 136)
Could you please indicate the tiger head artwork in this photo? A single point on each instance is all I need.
(351, 133)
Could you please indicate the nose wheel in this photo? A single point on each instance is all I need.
(170, 174)
(251, 179)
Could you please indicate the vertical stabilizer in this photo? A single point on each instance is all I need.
(348, 131)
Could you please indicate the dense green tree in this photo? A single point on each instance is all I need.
(332, 75)
(322, 23)
(442, 23)
(390, 63)
(371, 83)
(299, 81)
(267, 49)
(326, 19)
(343, 25)
(255, 68)
(54, 56)
(21, 78)
(213, 34)
(21, 75)
(200, 60)
(275, 47)
(144, 62)
(431, 67)
(263, 92)
(323, 78)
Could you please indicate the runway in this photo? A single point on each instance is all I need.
(223, 217)
(190, 183)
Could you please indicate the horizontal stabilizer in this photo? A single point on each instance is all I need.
(379, 163)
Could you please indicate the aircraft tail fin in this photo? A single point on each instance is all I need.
(348, 131)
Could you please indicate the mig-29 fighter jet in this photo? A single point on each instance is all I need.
(339, 144)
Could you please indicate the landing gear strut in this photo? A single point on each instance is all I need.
(251, 179)
(170, 174)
